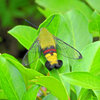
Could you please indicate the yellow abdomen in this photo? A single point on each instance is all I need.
(52, 58)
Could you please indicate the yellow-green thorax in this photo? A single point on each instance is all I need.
(46, 39)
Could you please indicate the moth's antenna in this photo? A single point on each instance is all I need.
(51, 20)
(33, 25)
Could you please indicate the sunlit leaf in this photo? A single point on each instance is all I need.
(11, 80)
(83, 79)
(26, 35)
(94, 24)
(90, 61)
(94, 4)
(29, 73)
(50, 97)
(31, 94)
(54, 86)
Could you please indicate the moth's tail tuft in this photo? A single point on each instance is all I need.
(57, 66)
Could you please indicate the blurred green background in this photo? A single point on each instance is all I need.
(12, 13)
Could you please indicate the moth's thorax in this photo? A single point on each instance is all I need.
(46, 38)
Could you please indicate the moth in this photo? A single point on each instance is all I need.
(49, 45)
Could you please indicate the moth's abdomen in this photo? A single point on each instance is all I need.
(51, 55)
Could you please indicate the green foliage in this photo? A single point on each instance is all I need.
(20, 35)
(94, 25)
(31, 93)
(12, 9)
(63, 6)
(91, 59)
(76, 23)
(90, 81)
(2, 95)
(94, 4)
(10, 78)
(57, 89)
(49, 97)
(87, 95)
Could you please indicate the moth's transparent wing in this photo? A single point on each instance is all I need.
(66, 50)
(32, 54)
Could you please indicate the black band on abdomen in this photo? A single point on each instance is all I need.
(50, 50)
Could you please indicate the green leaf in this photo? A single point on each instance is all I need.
(2, 95)
(94, 4)
(97, 93)
(78, 26)
(95, 66)
(26, 72)
(63, 6)
(56, 74)
(73, 96)
(87, 95)
(83, 79)
(54, 86)
(50, 97)
(91, 59)
(31, 94)
(11, 80)
(94, 24)
(24, 34)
